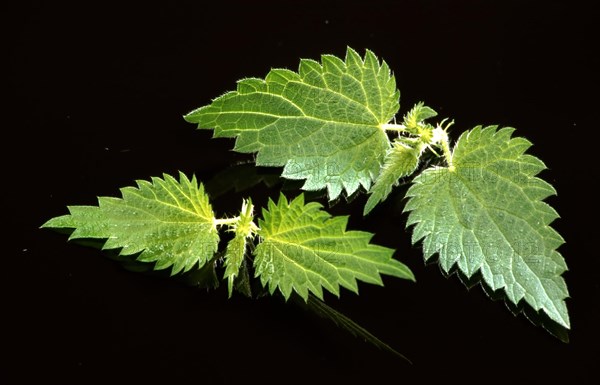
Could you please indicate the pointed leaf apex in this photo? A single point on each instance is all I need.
(304, 249)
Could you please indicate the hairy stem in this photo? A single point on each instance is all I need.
(447, 154)
(226, 221)
(393, 127)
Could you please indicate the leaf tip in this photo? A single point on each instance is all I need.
(63, 221)
(191, 117)
(369, 206)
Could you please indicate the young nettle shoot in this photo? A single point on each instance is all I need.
(478, 205)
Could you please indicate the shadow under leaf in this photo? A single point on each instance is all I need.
(538, 318)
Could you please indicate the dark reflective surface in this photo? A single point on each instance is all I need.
(96, 98)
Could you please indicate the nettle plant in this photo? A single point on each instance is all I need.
(477, 205)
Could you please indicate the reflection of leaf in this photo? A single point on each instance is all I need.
(202, 278)
(242, 283)
(485, 213)
(165, 221)
(304, 249)
(323, 310)
(239, 177)
(322, 124)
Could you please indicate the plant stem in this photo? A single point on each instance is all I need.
(226, 221)
(447, 153)
(440, 138)
(393, 127)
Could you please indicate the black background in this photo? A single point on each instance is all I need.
(96, 94)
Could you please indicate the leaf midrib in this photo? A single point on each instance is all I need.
(311, 250)
(307, 117)
(181, 208)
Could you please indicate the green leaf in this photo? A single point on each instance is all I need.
(322, 124)
(235, 253)
(303, 248)
(415, 117)
(400, 161)
(165, 221)
(485, 213)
